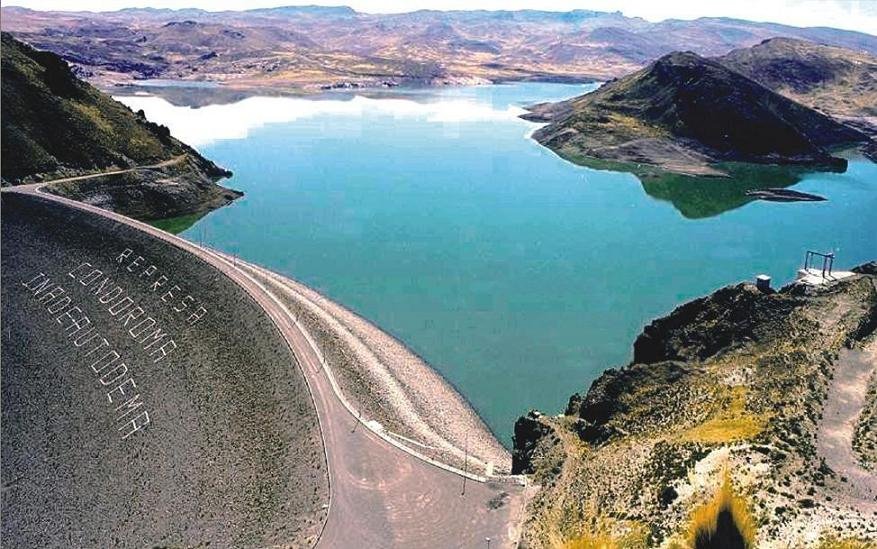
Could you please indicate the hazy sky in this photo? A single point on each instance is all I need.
(848, 14)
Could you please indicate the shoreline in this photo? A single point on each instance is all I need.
(271, 89)
(390, 384)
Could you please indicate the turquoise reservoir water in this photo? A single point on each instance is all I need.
(519, 276)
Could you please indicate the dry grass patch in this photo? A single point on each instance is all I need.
(732, 422)
(845, 543)
(602, 535)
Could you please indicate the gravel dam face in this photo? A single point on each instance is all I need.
(146, 399)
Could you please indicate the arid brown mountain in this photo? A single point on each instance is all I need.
(313, 47)
(836, 81)
(685, 114)
(57, 126)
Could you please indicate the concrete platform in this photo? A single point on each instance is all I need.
(813, 277)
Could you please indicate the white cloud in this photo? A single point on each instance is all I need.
(206, 125)
(846, 14)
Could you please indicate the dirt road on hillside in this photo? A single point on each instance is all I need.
(843, 406)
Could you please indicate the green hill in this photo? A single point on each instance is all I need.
(684, 114)
(55, 125)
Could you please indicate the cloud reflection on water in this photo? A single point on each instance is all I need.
(205, 125)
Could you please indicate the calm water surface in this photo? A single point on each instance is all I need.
(519, 276)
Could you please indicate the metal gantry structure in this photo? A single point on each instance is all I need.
(827, 261)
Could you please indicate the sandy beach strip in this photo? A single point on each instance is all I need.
(389, 383)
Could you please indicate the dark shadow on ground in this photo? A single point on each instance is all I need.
(726, 535)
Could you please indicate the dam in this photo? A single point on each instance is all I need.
(235, 437)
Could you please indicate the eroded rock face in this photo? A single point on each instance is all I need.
(701, 328)
(529, 430)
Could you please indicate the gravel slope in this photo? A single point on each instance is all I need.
(232, 454)
(390, 383)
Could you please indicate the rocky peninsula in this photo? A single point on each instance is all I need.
(686, 114)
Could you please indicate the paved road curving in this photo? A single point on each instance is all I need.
(380, 495)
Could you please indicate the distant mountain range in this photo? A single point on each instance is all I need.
(320, 47)
(688, 114)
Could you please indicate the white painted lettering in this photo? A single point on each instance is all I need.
(196, 316)
(135, 263)
(164, 350)
(159, 282)
(117, 308)
(138, 423)
(121, 389)
(81, 265)
(146, 324)
(124, 255)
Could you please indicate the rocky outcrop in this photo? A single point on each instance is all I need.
(529, 431)
(151, 194)
(706, 326)
(870, 150)
(869, 268)
(605, 399)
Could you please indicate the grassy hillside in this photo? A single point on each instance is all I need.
(717, 424)
(683, 114)
(837, 81)
(54, 123)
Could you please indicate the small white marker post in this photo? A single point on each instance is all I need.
(357, 422)
(465, 463)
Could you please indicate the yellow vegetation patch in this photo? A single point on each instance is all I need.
(600, 541)
(731, 422)
(635, 126)
(704, 520)
(846, 543)
(94, 114)
(142, 145)
(591, 530)
(601, 537)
